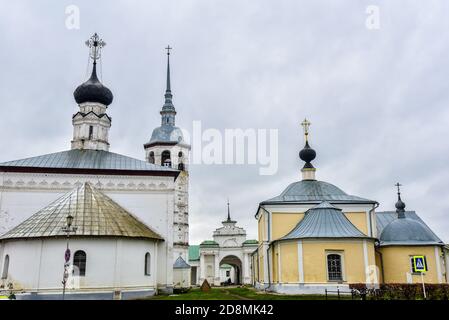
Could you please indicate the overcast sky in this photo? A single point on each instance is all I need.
(378, 99)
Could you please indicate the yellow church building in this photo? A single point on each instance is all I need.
(314, 236)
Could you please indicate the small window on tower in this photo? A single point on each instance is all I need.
(151, 157)
(91, 132)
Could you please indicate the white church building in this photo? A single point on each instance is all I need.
(131, 216)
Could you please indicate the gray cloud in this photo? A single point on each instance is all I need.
(377, 99)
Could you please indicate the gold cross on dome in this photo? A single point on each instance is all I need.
(305, 125)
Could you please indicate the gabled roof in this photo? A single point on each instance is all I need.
(86, 161)
(180, 263)
(314, 191)
(94, 213)
(410, 230)
(324, 221)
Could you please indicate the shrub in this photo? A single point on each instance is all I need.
(401, 291)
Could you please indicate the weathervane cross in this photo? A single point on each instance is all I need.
(398, 185)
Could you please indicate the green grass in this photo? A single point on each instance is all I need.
(233, 293)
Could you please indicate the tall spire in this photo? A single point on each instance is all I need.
(307, 154)
(400, 206)
(168, 111)
(168, 69)
(229, 213)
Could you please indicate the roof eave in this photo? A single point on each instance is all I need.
(173, 173)
(268, 202)
(81, 236)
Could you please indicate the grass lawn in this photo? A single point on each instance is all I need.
(233, 293)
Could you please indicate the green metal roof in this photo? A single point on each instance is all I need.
(194, 253)
(85, 159)
(208, 243)
(94, 213)
(225, 266)
(251, 242)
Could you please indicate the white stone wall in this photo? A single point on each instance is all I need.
(181, 210)
(95, 117)
(36, 265)
(151, 199)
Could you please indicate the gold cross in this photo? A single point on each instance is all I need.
(306, 124)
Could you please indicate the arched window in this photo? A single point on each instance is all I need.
(165, 158)
(79, 261)
(147, 264)
(5, 267)
(181, 166)
(151, 157)
(180, 154)
(334, 267)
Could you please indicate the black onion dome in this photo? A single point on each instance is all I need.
(93, 91)
(307, 154)
(400, 205)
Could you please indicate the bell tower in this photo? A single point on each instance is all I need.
(168, 148)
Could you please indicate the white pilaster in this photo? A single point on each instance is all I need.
(438, 264)
(300, 263)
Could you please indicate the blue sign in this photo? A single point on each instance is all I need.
(419, 264)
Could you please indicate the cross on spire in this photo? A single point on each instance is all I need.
(168, 50)
(398, 185)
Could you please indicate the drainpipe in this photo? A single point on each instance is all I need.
(377, 246)
(375, 206)
(269, 245)
(268, 266)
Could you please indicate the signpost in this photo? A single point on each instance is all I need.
(420, 266)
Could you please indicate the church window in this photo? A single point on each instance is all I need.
(151, 157)
(91, 132)
(165, 158)
(334, 267)
(147, 264)
(79, 262)
(5, 267)
(180, 154)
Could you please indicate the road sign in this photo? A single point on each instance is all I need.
(67, 255)
(419, 264)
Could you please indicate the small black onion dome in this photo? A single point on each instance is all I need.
(93, 90)
(400, 206)
(307, 154)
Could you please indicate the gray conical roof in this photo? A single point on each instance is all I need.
(406, 231)
(94, 213)
(324, 221)
(313, 191)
